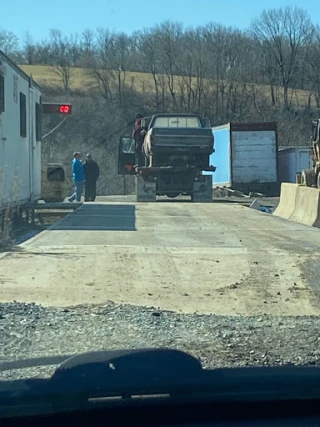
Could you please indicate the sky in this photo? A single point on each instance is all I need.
(70, 16)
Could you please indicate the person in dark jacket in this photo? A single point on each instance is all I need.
(138, 135)
(92, 173)
(78, 177)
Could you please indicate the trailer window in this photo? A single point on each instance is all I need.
(23, 115)
(55, 174)
(38, 122)
(1, 94)
(177, 122)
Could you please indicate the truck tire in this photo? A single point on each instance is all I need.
(173, 195)
(308, 177)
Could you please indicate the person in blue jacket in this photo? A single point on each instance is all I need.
(78, 177)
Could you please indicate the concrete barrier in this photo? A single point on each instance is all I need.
(287, 203)
(307, 206)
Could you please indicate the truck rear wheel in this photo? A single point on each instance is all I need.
(308, 177)
(172, 195)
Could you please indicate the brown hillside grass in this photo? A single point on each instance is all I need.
(81, 80)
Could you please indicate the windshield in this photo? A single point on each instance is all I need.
(202, 240)
(176, 122)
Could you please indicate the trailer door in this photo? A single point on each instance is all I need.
(126, 159)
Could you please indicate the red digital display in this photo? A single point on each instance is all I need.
(56, 108)
(64, 109)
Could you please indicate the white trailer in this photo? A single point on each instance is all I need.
(246, 157)
(20, 136)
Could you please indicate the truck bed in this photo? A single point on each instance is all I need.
(181, 138)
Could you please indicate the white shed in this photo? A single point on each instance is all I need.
(293, 160)
(20, 136)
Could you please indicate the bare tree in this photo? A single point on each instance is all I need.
(87, 47)
(120, 58)
(192, 67)
(29, 48)
(169, 36)
(100, 64)
(9, 42)
(312, 73)
(109, 62)
(61, 57)
(148, 46)
(283, 34)
(223, 63)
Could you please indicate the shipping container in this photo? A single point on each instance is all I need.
(293, 160)
(20, 136)
(246, 157)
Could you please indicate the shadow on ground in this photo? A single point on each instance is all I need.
(24, 236)
(98, 216)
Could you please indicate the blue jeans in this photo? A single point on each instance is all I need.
(78, 187)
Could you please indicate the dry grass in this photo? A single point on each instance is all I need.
(82, 80)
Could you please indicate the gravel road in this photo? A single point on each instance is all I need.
(29, 330)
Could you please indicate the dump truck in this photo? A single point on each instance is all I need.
(176, 151)
(311, 177)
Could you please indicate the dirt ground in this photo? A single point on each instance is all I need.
(219, 258)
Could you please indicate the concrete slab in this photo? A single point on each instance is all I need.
(98, 216)
(209, 258)
(287, 203)
(307, 206)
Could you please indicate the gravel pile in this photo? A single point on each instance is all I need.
(29, 330)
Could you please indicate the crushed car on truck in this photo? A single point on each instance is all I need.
(169, 157)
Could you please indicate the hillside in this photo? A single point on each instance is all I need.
(81, 79)
(98, 121)
(84, 81)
